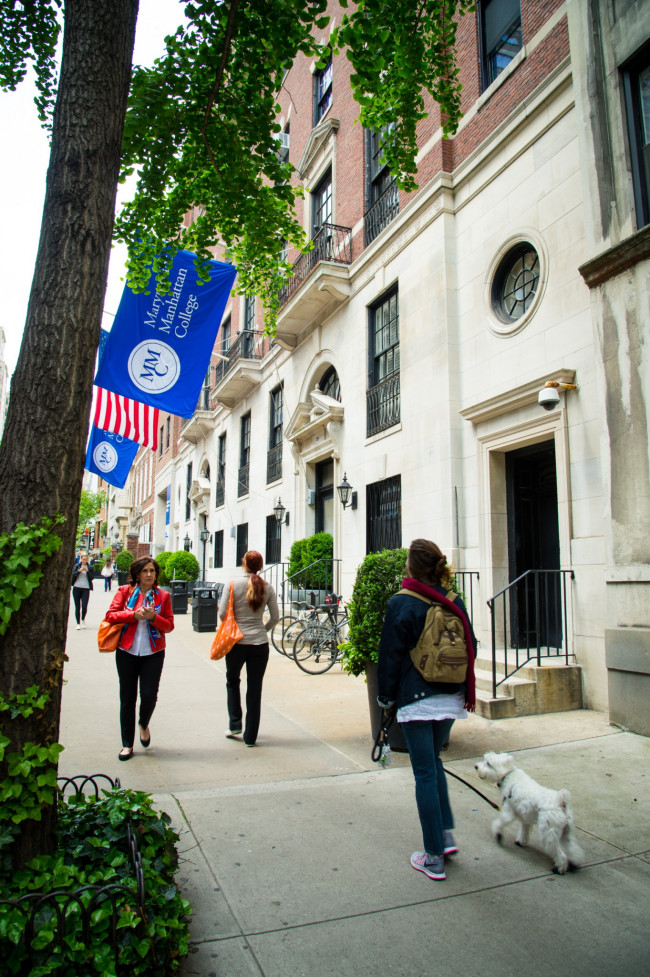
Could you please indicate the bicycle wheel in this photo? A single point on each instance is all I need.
(290, 633)
(277, 631)
(315, 650)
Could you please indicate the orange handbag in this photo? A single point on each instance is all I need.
(228, 634)
(108, 636)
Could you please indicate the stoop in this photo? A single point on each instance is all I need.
(532, 690)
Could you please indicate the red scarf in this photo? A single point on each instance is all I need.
(410, 583)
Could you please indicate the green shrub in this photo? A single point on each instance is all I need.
(306, 555)
(182, 566)
(161, 560)
(378, 578)
(123, 560)
(92, 850)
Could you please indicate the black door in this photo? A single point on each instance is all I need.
(534, 544)
(324, 522)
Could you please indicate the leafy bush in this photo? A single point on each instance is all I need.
(306, 555)
(182, 566)
(92, 850)
(378, 578)
(123, 560)
(161, 560)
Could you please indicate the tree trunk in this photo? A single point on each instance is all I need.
(42, 451)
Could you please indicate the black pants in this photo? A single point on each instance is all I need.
(133, 669)
(80, 597)
(255, 658)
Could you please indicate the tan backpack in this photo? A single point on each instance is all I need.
(441, 652)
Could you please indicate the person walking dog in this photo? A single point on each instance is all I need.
(426, 709)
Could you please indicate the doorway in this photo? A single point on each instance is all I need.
(534, 544)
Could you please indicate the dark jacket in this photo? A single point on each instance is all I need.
(77, 571)
(397, 677)
(119, 613)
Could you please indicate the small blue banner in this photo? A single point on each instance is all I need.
(159, 347)
(110, 456)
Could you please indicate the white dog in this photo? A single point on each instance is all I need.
(530, 803)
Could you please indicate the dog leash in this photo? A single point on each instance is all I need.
(381, 752)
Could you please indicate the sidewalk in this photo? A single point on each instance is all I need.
(295, 854)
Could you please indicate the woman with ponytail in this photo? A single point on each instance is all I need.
(425, 710)
(251, 597)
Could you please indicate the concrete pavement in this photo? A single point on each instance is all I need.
(295, 854)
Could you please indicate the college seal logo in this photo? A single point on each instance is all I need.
(154, 366)
(105, 456)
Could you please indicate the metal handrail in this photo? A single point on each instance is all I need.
(245, 347)
(322, 571)
(547, 619)
(331, 242)
(465, 583)
(381, 213)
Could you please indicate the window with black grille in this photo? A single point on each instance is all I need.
(274, 456)
(242, 542)
(321, 204)
(188, 488)
(244, 455)
(322, 91)
(221, 471)
(383, 406)
(218, 548)
(384, 515)
(330, 384)
(273, 540)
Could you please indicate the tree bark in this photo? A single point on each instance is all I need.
(42, 451)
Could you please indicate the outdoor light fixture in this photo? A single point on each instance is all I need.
(187, 543)
(346, 494)
(204, 536)
(279, 512)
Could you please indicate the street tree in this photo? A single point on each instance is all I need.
(200, 129)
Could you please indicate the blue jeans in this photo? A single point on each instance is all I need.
(424, 740)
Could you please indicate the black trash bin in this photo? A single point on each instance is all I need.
(205, 607)
(179, 594)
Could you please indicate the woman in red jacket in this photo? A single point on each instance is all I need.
(147, 615)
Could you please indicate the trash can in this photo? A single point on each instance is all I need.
(205, 607)
(179, 593)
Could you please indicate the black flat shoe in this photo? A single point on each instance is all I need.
(125, 756)
(146, 742)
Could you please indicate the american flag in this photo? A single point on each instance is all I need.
(135, 421)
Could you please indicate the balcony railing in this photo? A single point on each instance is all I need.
(274, 463)
(245, 347)
(331, 243)
(221, 492)
(383, 404)
(243, 480)
(382, 212)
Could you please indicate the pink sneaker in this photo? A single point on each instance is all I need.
(434, 867)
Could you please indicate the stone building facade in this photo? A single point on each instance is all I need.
(414, 340)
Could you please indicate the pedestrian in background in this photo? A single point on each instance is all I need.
(147, 615)
(251, 596)
(82, 584)
(107, 574)
(425, 710)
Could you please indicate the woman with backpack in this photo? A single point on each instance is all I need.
(427, 616)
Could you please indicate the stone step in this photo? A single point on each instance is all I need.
(533, 690)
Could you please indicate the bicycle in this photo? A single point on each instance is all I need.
(285, 632)
(316, 647)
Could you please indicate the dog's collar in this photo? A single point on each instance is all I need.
(501, 782)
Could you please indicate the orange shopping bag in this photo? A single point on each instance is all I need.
(228, 634)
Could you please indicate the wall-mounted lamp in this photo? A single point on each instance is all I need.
(347, 495)
(279, 512)
(548, 397)
(204, 536)
(187, 543)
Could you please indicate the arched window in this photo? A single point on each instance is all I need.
(330, 384)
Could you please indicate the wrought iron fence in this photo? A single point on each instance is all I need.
(311, 584)
(529, 620)
(380, 214)
(73, 909)
(465, 580)
(383, 405)
(330, 243)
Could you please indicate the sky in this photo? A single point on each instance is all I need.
(23, 167)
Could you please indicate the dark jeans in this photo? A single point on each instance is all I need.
(425, 739)
(107, 583)
(131, 670)
(80, 597)
(255, 657)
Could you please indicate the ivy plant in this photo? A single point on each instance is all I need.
(23, 550)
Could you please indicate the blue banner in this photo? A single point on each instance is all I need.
(110, 456)
(158, 350)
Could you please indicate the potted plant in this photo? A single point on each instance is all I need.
(378, 578)
(182, 566)
(311, 566)
(123, 561)
(161, 560)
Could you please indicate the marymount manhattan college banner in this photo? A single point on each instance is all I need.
(110, 456)
(159, 347)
